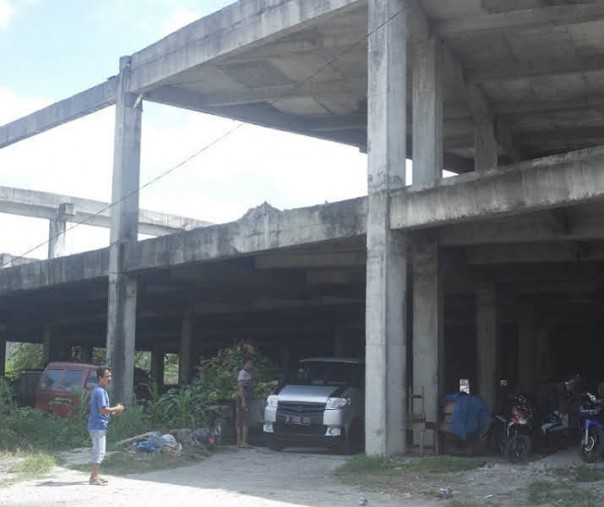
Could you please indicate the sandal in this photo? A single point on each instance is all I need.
(245, 446)
(97, 482)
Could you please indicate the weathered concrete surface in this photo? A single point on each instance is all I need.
(386, 287)
(73, 268)
(228, 30)
(273, 230)
(81, 104)
(529, 187)
(33, 203)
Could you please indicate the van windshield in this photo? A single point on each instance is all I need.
(331, 374)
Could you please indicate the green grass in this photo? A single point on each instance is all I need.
(562, 494)
(587, 474)
(19, 466)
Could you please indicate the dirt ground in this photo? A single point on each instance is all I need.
(259, 477)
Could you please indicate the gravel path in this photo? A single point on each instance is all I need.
(252, 478)
(262, 478)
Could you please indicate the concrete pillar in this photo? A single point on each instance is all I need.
(427, 111)
(527, 349)
(54, 348)
(386, 251)
(485, 143)
(3, 341)
(157, 366)
(58, 227)
(121, 311)
(487, 339)
(185, 358)
(545, 363)
(428, 318)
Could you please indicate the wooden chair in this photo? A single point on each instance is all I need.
(417, 421)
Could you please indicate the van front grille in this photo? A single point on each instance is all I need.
(289, 407)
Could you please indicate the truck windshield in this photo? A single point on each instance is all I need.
(327, 373)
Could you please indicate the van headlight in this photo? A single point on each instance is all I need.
(272, 401)
(335, 403)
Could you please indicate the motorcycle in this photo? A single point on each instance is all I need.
(589, 412)
(511, 435)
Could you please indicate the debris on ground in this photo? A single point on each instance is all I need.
(445, 493)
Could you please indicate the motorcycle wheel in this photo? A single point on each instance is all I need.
(590, 449)
(518, 448)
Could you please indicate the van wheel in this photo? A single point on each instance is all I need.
(273, 444)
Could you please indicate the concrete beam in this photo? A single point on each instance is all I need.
(344, 219)
(239, 25)
(311, 260)
(275, 93)
(534, 253)
(498, 71)
(81, 104)
(73, 268)
(558, 15)
(517, 189)
(554, 225)
(32, 203)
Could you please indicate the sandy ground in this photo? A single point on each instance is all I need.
(259, 477)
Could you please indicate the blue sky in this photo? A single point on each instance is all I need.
(52, 49)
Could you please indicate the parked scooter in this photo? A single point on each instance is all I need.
(589, 412)
(511, 435)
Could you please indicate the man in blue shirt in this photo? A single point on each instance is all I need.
(100, 412)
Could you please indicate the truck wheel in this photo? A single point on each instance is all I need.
(273, 444)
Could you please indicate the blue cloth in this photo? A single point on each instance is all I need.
(471, 414)
(98, 400)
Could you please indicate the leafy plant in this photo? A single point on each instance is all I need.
(218, 375)
(24, 356)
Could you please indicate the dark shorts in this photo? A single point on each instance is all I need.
(242, 416)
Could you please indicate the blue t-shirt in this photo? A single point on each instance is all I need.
(98, 400)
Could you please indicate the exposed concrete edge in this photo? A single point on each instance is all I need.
(560, 181)
(62, 270)
(232, 28)
(81, 104)
(33, 203)
(246, 236)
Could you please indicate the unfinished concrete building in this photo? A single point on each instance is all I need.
(493, 273)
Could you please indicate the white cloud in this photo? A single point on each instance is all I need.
(179, 18)
(7, 10)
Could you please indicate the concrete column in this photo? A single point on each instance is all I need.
(185, 360)
(3, 341)
(545, 363)
(428, 318)
(386, 251)
(527, 349)
(46, 344)
(58, 227)
(487, 338)
(485, 143)
(427, 112)
(121, 312)
(157, 366)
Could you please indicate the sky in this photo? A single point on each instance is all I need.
(53, 49)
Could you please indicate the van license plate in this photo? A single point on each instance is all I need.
(297, 420)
